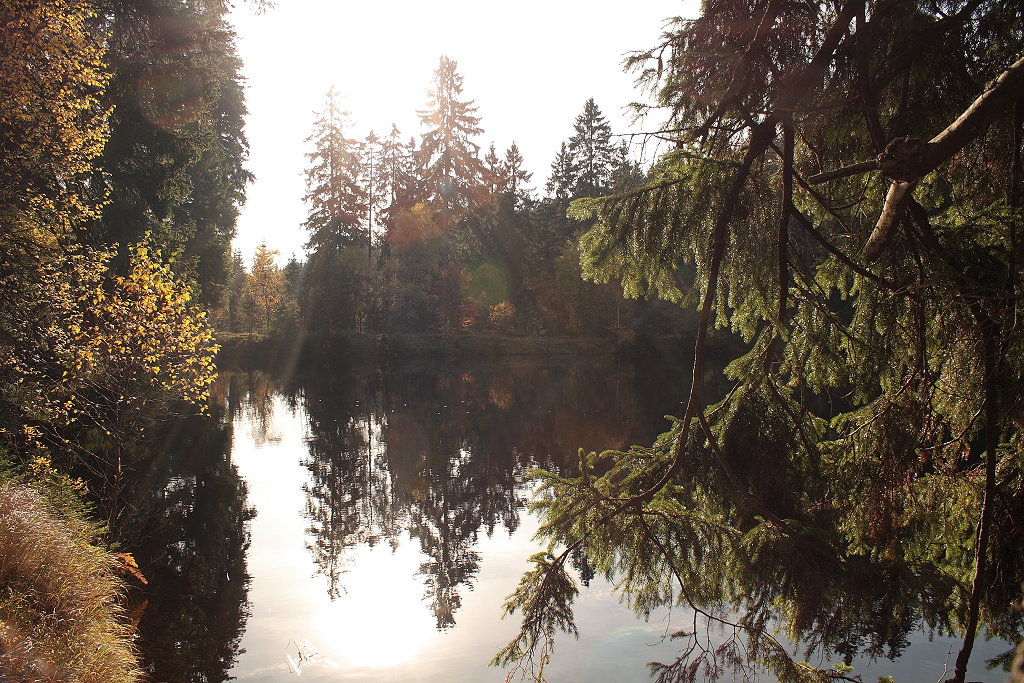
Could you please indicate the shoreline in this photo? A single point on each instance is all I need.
(243, 350)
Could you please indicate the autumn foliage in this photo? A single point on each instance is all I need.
(109, 350)
(51, 76)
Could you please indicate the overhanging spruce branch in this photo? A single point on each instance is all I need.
(795, 86)
(902, 164)
(906, 160)
(762, 136)
(738, 81)
(856, 169)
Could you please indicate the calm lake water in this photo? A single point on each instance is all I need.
(378, 516)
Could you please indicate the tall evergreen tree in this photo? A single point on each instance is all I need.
(452, 170)
(376, 195)
(626, 174)
(492, 171)
(560, 183)
(398, 178)
(513, 176)
(335, 194)
(591, 152)
(173, 166)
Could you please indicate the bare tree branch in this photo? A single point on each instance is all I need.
(1001, 94)
(895, 204)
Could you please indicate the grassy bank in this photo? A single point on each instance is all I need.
(60, 614)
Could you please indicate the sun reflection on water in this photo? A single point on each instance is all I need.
(380, 619)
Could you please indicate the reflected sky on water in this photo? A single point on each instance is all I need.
(390, 521)
(401, 576)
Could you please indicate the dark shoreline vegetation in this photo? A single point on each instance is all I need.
(831, 247)
(241, 351)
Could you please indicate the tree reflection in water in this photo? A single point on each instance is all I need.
(439, 453)
(442, 453)
(759, 566)
(192, 538)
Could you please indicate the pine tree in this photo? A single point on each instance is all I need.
(591, 153)
(453, 173)
(560, 184)
(492, 171)
(513, 176)
(335, 194)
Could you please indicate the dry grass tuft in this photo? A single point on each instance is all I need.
(60, 617)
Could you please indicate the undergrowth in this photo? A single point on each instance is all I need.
(60, 609)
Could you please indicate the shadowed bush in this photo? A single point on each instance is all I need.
(60, 617)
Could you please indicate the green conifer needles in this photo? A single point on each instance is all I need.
(870, 449)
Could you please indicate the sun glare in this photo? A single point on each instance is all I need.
(380, 620)
(521, 65)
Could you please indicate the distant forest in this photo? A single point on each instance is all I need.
(428, 233)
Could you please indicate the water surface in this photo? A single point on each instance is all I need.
(391, 520)
(378, 516)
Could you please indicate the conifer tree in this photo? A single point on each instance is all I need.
(335, 194)
(415, 181)
(492, 171)
(844, 194)
(513, 176)
(626, 174)
(397, 178)
(560, 183)
(591, 153)
(453, 173)
(173, 166)
(375, 194)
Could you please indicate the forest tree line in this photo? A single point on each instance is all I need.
(436, 235)
(843, 191)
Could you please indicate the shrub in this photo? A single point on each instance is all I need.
(502, 316)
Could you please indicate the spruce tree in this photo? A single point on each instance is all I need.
(335, 194)
(513, 176)
(173, 166)
(844, 194)
(372, 164)
(399, 188)
(453, 173)
(592, 155)
(626, 174)
(492, 171)
(376, 195)
(560, 183)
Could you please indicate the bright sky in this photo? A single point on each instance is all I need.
(529, 66)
